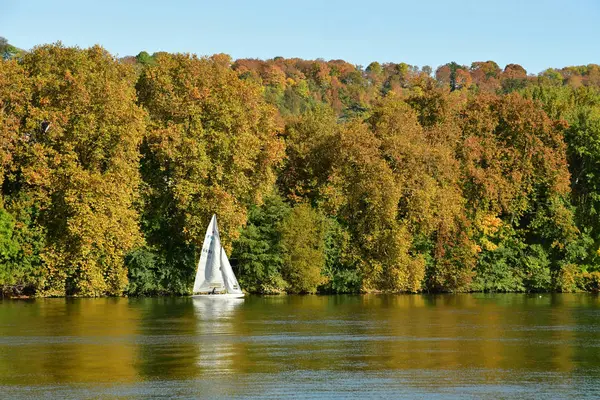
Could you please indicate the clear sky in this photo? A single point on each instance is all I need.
(536, 34)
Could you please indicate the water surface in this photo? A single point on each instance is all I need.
(374, 346)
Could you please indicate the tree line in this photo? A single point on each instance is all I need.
(326, 177)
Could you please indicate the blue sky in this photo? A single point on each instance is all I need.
(535, 34)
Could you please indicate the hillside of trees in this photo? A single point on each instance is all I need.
(326, 177)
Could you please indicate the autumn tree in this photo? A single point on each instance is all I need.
(485, 74)
(325, 177)
(15, 93)
(454, 75)
(514, 77)
(432, 205)
(211, 147)
(74, 170)
(364, 193)
(23, 237)
(516, 170)
(310, 151)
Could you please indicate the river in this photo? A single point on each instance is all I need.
(369, 346)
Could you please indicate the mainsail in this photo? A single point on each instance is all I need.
(214, 274)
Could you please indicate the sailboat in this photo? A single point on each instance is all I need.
(214, 276)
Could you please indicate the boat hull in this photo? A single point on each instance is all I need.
(219, 296)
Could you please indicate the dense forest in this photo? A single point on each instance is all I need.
(325, 176)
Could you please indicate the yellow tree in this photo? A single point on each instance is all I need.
(431, 206)
(75, 167)
(310, 150)
(303, 249)
(14, 98)
(364, 193)
(211, 145)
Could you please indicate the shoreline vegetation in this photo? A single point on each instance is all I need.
(327, 177)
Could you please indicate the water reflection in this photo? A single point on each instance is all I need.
(67, 340)
(354, 346)
(166, 338)
(218, 346)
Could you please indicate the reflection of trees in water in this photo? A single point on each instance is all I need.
(62, 359)
(218, 344)
(167, 343)
(102, 330)
(587, 350)
(68, 340)
(428, 332)
(180, 338)
(480, 331)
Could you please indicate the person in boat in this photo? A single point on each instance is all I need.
(214, 291)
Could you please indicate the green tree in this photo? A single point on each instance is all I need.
(343, 275)
(7, 50)
(452, 75)
(144, 58)
(303, 249)
(257, 251)
(9, 247)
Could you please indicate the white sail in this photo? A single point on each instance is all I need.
(229, 278)
(208, 274)
(214, 273)
(203, 256)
